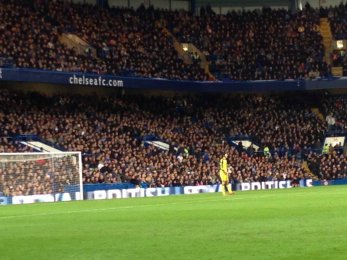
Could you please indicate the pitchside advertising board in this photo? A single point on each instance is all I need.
(148, 192)
(67, 196)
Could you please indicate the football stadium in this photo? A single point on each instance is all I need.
(173, 129)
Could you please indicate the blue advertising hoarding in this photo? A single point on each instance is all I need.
(127, 190)
(95, 80)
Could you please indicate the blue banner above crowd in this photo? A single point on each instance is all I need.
(95, 80)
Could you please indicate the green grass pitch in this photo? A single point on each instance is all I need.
(300, 223)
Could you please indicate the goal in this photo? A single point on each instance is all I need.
(40, 177)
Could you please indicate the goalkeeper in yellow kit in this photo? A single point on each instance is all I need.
(223, 173)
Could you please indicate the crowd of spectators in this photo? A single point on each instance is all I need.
(110, 132)
(338, 58)
(331, 163)
(32, 41)
(9, 145)
(335, 108)
(338, 24)
(36, 175)
(282, 123)
(256, 45)
(329, 166)
(338, 21)
(252, 45)
(127, 42)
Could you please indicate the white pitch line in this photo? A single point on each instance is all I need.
(220, 199)
(118, 208)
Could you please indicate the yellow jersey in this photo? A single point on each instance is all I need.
(223, 166)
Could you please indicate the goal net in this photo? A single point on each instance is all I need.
(40, 177)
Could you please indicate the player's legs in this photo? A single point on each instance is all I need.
(230, 190)
(223, 178)
(228, 187)
(223, 187)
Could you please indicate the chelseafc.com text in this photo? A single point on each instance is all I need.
(89, 81)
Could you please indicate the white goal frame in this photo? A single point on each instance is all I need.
(35, 156)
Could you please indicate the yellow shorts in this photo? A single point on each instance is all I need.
(224, 177)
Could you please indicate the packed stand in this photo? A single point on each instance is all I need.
(329, 166)
(338, 21)
(255, 45)
(335, 110)
(32, 41)
(110, 131)
(9, 145)
(330, 162)
(33, 177)
(246, 168)
(339, 59)
(284, 124)
(128, 43)
(266, 45)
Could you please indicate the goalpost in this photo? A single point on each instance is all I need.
(40, 177)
